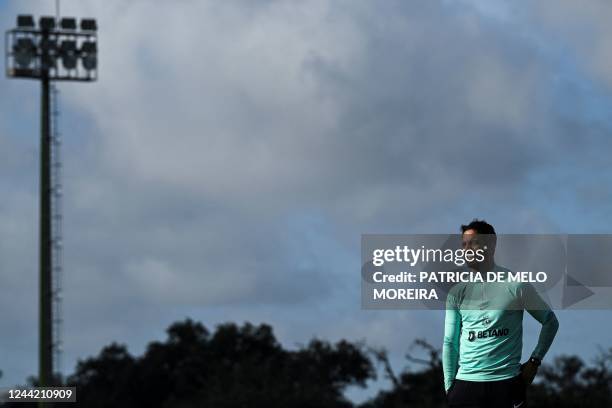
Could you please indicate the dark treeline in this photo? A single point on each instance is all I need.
(247, 367)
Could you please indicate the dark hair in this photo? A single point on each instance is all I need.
(480, 226)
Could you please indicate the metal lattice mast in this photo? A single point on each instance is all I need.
(57, 231)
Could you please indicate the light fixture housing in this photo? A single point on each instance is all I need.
(89, 55)
(68, 23)
(47, 23)
(89, 47)
(43, 47)
(89, 24)
(24, 52)
(25, 21)
(68, 52)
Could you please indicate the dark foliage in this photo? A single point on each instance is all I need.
(233, 367)
(566, 383)
(245, 366)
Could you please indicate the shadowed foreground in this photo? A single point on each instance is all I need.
(247, 367)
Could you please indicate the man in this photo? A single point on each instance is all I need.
(483, 332)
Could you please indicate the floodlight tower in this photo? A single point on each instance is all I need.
(36, 53)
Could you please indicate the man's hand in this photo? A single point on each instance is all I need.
(450, 388)
(528, 372)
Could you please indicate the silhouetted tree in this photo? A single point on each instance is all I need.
(422, 388)
(234, 367)
(245, 366)
(567, 383)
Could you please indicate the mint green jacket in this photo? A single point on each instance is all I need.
(483, 329)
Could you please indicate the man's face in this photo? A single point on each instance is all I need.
(474, 241)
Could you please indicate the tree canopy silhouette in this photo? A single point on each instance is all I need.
(233, 367)
(245, 366)
(566, 383)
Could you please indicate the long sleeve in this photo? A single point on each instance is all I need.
(540, 311)
(450, 347)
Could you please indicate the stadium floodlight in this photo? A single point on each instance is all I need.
(47, 23)
(60, 49)
(68, 52)
(89, 57)
(24, 52)
(68, 23)
(34, 53)
(25, 21)
(88, 24)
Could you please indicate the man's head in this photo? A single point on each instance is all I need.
(479, 234)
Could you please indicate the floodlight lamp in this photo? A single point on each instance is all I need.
(47, 23)
(25, 21)
(89, 47)
(88, 24)
(68, 47)
(90, 62)
(68, 53)
(69, 61)
(24, 52)
(68, 23)
(89, 56)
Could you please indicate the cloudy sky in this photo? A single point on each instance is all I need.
(232, 153)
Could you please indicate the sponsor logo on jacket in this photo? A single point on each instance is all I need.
(483, 334)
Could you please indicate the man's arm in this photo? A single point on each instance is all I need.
(540, 311)
(450, 347)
